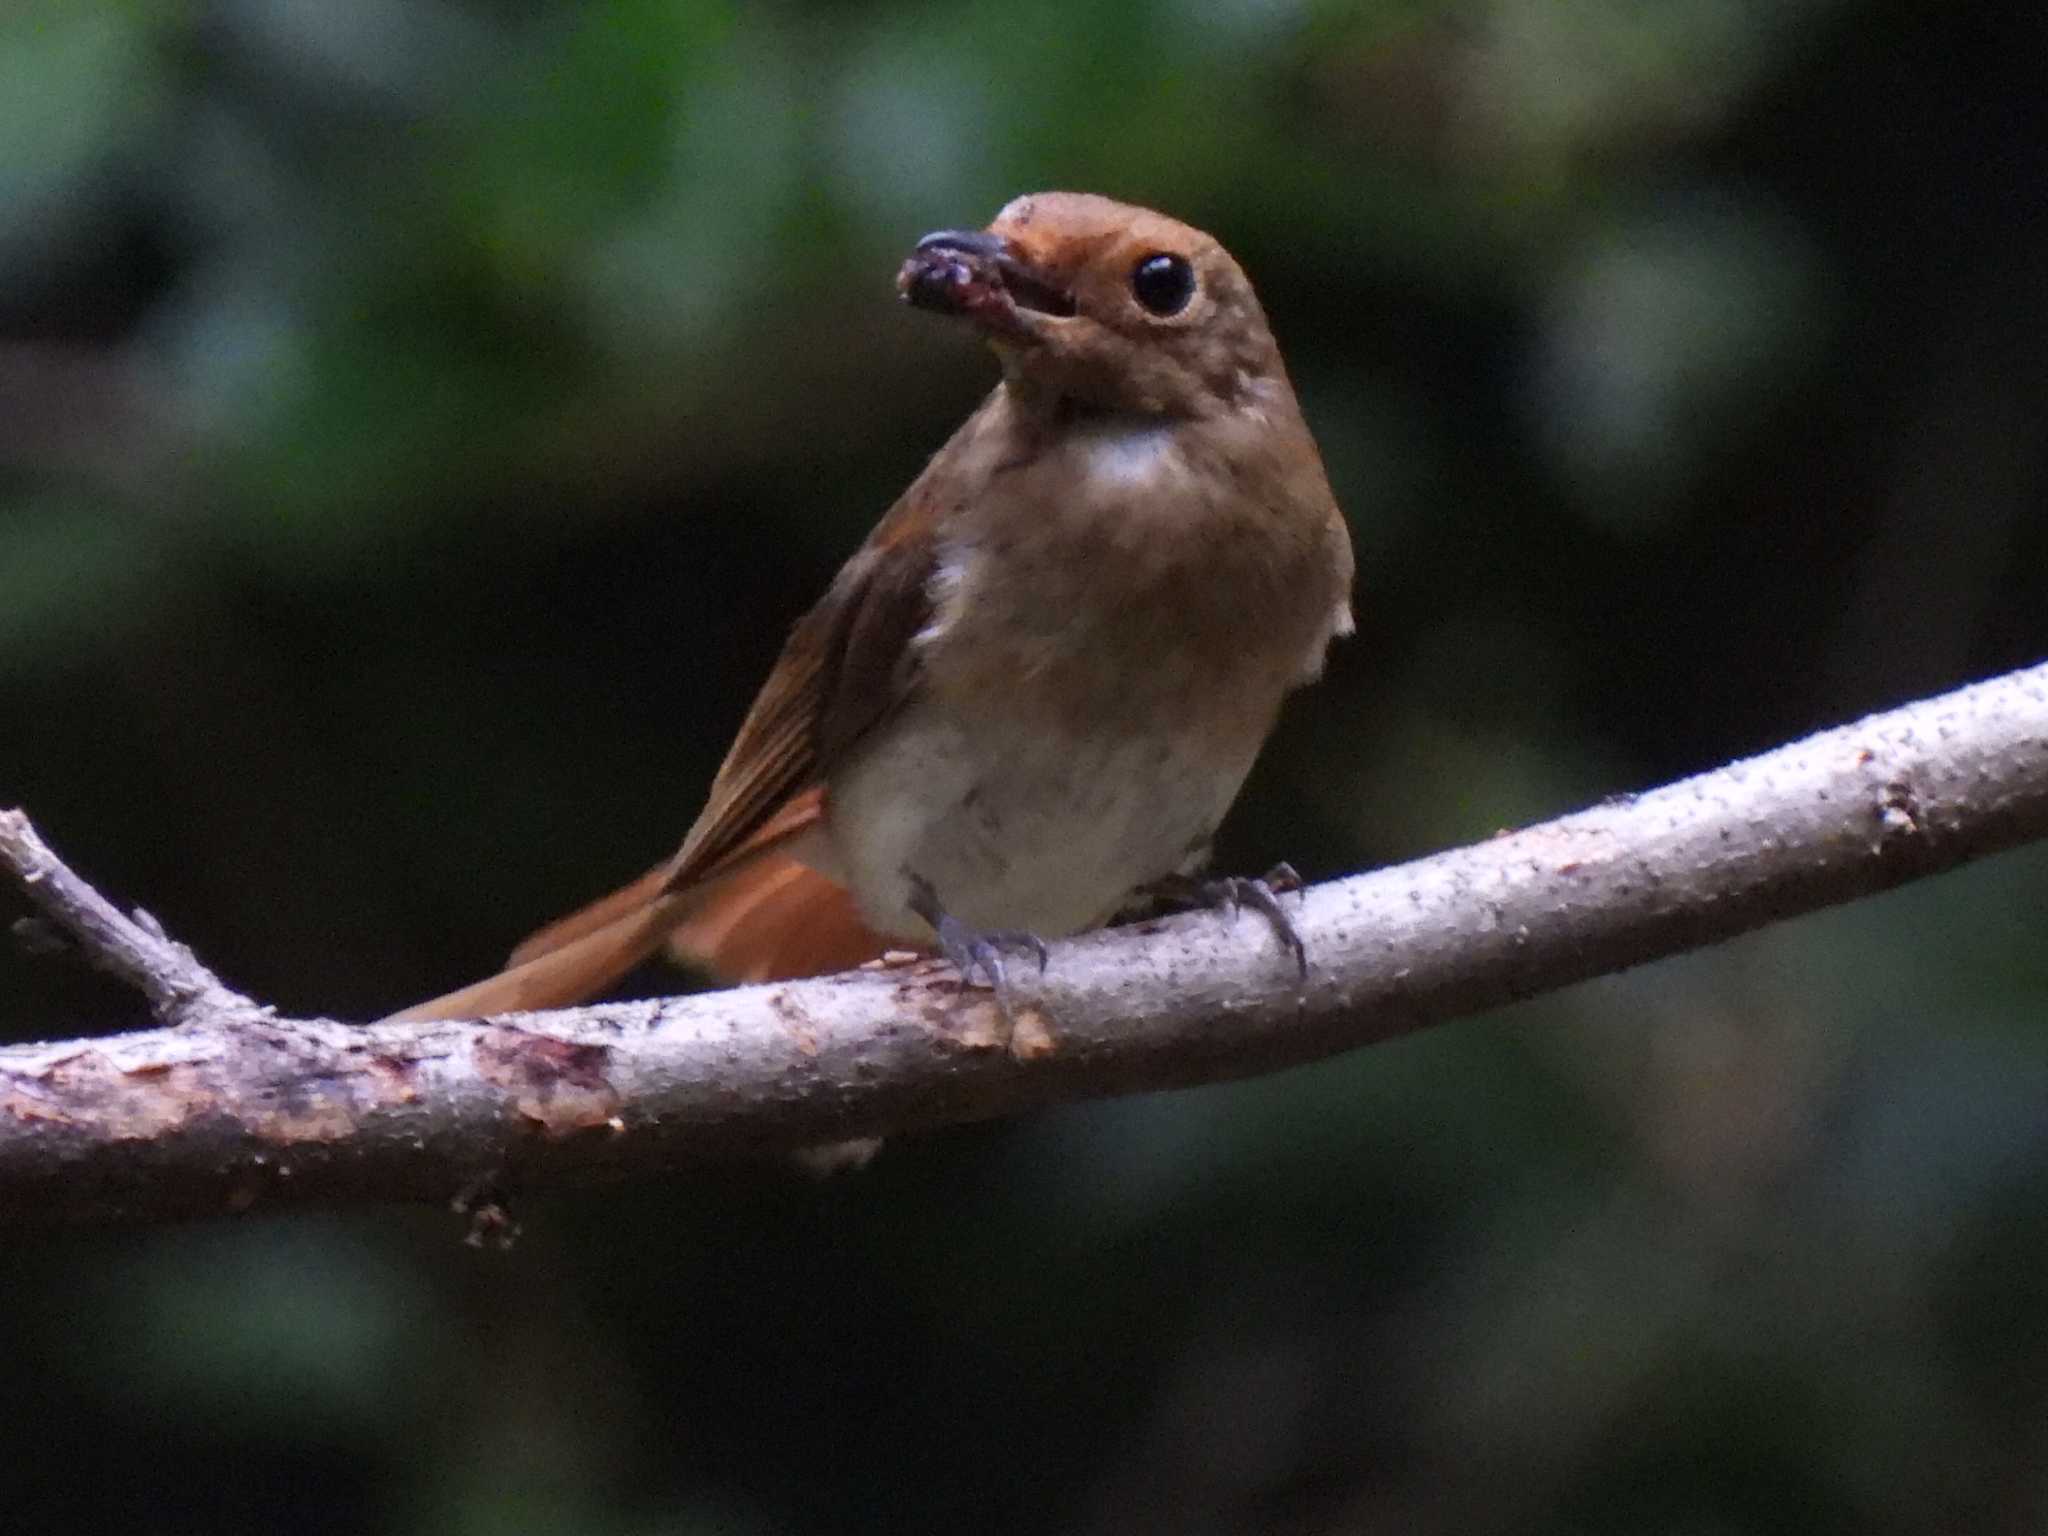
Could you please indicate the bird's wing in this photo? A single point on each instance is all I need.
(846, 667)
(736, 899)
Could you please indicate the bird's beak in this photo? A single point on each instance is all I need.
(982, 277)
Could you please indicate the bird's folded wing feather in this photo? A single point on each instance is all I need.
(734, 899)
(848, 665)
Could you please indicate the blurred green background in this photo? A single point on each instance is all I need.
(420, 421)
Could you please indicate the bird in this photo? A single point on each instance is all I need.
(1032, 694)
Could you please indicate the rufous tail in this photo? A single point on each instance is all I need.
(769, 919)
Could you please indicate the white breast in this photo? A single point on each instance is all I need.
(1133, 459)
(1015, 830)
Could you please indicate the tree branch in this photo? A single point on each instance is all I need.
(136, 949)
(233, 1106)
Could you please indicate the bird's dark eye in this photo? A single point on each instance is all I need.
(1163, 284)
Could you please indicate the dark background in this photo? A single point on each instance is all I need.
(419, 423)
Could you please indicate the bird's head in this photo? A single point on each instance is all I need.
(1103, 305)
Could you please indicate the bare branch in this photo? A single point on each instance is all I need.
(136, 949)
(236, 1107)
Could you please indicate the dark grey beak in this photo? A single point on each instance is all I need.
(967, 242)
(1027, 288)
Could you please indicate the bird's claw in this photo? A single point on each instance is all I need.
(1236, 892)
(969, 950)
(1262, 895)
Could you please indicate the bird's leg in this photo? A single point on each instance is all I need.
(970, 950)
(1233, 892)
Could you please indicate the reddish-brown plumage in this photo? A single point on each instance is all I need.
(1040, 682)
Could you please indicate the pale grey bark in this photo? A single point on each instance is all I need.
(232, 1106)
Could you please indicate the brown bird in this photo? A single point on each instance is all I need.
(1038, 686)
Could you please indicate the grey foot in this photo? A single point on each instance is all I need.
(1232, 893)
(970, 950)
